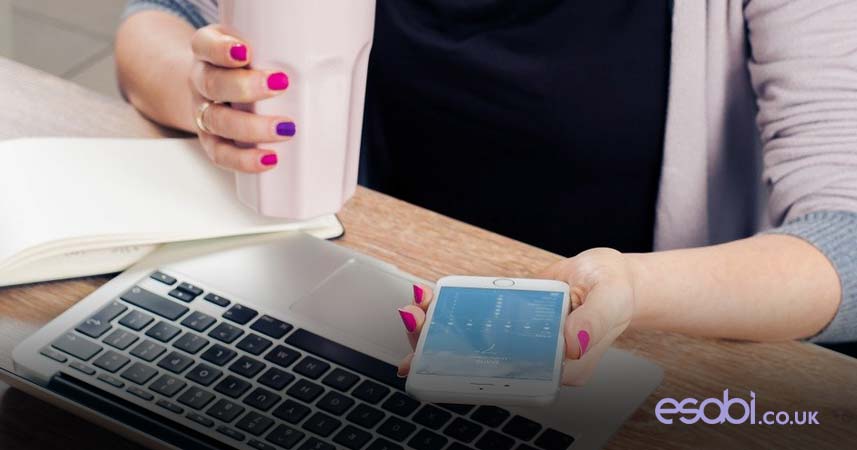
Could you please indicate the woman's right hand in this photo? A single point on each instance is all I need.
(220, 75)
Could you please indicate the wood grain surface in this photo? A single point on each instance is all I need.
(784, 376)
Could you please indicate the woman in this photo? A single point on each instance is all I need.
(576, 125)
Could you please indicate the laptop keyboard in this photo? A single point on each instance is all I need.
(262, 382)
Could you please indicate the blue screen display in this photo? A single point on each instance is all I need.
(497, 333)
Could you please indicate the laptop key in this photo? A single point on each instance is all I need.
(218, 355)
(99, 323)
(383, 444)
(352, 437)
(396, 429)
(182, 295)
(285, 436)
(427, 440)
(493, 440)
(226, 431)
(217, 300)
(139, 373)
(340, 379)
(271, 327)
(282, 356)
(463, 429)
(305, 390)
(133, 390)
(76, 346)
(225, 411)
(432, 417)
(553, 440)
(202, 420)
(82, 368)
(365, 416)
(203, 374)
(196, 398)
(154, 303)
(276, 379)
(254, 344)
(170, 406)
(163, 278)
(247, 366)
(522, 428)
(400, 404)
(259, 445)
(460, 446)
(315, 444)
(261, 399)
(311, 367)
(120, 339)
(163, 331)
(240, 314)
(232, 386)
(254, 423)
(335, 403)
(111, 361)
(198, 321)
(370, 391)
(291, 411)
(190, 289)
(457, 408)
(167, 386)
(226, 333)
(190, 343)
(175, 362)
(490, 415)
(53, 354)
(136, 320)
(115, 382)
(321, 424)
(148, 350)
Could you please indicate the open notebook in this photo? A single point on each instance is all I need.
(72, 207)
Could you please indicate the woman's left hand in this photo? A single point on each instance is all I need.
(602, 299)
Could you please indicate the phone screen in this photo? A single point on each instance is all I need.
(498, 333)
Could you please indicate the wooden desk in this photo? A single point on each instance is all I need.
(785, 376)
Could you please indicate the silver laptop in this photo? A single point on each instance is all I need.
(283, 342)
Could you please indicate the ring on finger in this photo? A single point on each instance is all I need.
(200, 115)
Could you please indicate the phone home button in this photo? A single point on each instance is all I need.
(503, 282)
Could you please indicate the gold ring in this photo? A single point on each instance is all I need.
(200, 116)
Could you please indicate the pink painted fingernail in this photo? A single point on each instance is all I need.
(583, 340)
(238, 52)
(418, 294)
(409, 320)
(269, 159)
(278, 81)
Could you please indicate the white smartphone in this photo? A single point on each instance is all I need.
(491, 340)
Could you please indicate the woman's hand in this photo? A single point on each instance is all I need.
(602, 298)
(220, 75)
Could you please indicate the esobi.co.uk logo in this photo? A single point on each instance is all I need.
(691, 410)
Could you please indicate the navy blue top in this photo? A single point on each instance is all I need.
(542, 119)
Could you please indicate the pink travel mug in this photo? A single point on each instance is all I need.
(323, 46)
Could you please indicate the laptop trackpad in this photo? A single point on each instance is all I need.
(357, 305)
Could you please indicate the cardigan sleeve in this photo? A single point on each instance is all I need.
(803, 67)
(192, 11)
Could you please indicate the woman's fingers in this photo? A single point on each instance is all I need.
(413, 319)
(237, 85)
(227, 155)
(605, 309)
(405, 366)
(423, 296)
(247, 127)
(211, 44)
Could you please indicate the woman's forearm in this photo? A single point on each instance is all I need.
(767, 287)
(153, 60)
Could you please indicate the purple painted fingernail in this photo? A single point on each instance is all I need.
(418, 294)
(408, 319)
(269, 160)
(286, 128)
(278, 81)
(238, 52)
(583, 340)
